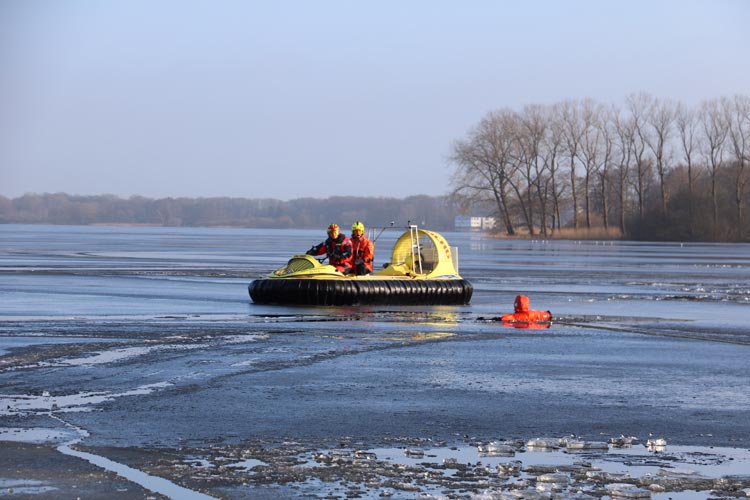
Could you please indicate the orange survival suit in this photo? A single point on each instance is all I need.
(525, 315)
(362, 254)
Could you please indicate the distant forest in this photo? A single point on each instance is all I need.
(60, 208)
(650, 170)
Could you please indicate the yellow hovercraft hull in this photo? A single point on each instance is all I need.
(421, 273)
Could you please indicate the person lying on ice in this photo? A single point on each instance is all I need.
(524, 315)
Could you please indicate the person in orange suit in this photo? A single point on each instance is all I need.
(524, 315)
(362, 250)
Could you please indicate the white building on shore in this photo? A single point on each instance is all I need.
(473, 223)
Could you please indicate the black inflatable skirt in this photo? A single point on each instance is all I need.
(353, 292)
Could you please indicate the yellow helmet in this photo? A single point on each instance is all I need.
(358, 226)
(333, 228)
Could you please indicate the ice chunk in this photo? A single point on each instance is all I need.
(624, 490)
(624, 441)
(656, 445)
(586, 445)
(601, 475)
(365, 455)
(554, 477)
(509, 468)
(496, 449)
(545, 443)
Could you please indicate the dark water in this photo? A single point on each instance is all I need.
(147, 337)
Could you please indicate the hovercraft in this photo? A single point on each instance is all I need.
(423, 270)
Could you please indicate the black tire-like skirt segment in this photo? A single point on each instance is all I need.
(370, 292)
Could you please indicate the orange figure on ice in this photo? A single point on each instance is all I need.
(525, 317)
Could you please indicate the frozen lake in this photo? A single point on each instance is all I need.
(145, 338)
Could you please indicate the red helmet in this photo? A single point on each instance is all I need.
(333, 228)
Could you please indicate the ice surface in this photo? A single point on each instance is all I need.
(647, 338)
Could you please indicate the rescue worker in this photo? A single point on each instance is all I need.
(338, 249)
(523, 314)
(363, 250)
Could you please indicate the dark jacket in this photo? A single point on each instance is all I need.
(339, 252)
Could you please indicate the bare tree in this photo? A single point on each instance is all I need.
(625, 131)
(738, 119)
(589, 150)
(486, 163)
(533, 124)
(715, 130)
(553, 146)
(603, 168)
(638, 105)
(687, 126)
(660, 118)
(573, 131)
(520, 179)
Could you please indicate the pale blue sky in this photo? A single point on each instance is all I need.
(286, 99)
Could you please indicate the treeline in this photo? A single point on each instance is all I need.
(60, 208)
(651, 169)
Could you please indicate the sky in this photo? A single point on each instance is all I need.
(294, 98)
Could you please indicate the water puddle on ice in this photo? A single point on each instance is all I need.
(537, 468)
(72, 435)
(115, 355)
(23, 487)
(84, 401)
(36, 435)
(636, 461)
(674, 472)
(247, 464)
(8, 344)
(152, 483)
